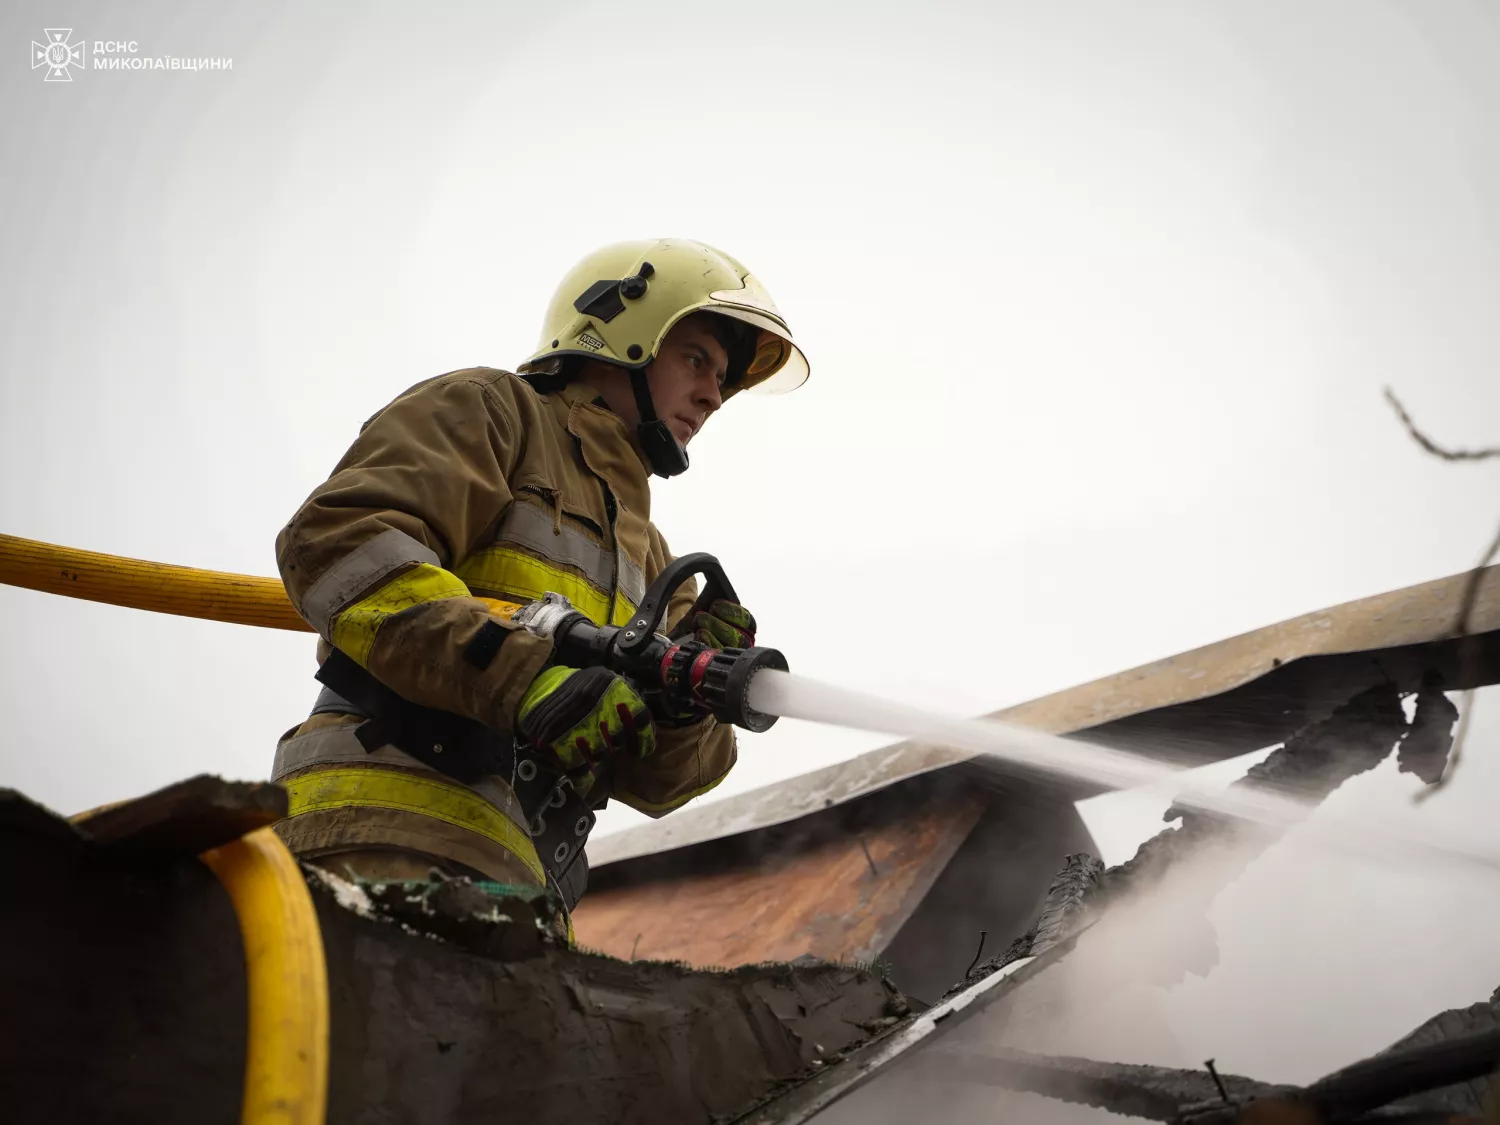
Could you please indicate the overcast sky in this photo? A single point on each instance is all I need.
(1099, 300)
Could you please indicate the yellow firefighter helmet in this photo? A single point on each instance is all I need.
(619, 303)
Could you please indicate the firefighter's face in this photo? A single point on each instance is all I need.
(687, 378)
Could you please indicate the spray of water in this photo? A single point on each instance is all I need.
(798, 697)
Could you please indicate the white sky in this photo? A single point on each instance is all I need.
(1099, 299)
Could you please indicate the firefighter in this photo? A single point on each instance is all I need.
(484, 484)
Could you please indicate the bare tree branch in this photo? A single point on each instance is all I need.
(1469, 652)
(1431, 446)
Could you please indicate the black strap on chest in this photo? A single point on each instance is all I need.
(558, 818)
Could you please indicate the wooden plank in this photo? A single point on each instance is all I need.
(839, 897)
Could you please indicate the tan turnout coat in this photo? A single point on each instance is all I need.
(469, 485)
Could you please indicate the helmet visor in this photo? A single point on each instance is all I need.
(778, 365)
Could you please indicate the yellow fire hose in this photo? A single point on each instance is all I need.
(215, 595)
(286, 1078)
(286, 1065)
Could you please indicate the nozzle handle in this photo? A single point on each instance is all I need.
(637, 635)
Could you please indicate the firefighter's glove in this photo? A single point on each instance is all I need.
(724, 624)
(584, 716)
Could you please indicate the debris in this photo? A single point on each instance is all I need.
(346, 892)
(1219, 1082)
(1424, 750)
(553, 1033)
(1062, 909)
(1314, 762)
(1441, 1069)
(187, 817)
(1157, 1093)
(978, 953)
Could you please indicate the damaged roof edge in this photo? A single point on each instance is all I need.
(1414, 615)
(804, 1100)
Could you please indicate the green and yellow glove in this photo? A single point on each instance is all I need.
(585, 716)
(724, 624)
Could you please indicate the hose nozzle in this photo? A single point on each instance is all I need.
(718, 680)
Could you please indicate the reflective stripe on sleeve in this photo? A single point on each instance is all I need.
(353, 630)
(371, 787)
(361, 568)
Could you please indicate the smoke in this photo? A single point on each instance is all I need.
(1107, 998)
(1279, 953)
(1264, 980)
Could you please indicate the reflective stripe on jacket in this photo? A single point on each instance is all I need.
(469, 486)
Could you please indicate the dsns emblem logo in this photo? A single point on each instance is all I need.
(57, 54)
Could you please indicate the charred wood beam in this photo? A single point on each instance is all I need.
(1314, 762)
(1424, 751)
(497, 1019)
(1203, 1097)
(1059, 918)
(1156, 1093)
(1455, 1023)
(187, 817)
(1396, 1074)
(123, 975)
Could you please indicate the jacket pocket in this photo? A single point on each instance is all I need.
(564, 509)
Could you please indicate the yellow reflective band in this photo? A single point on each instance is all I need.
(371, 787)
(354, 629)
(508, 571)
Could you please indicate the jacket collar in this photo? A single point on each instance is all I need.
(605, 442)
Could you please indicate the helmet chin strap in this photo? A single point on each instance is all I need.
(667, 458)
